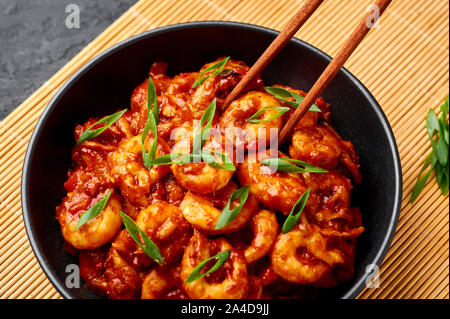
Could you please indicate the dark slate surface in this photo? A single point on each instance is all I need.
(35, 41)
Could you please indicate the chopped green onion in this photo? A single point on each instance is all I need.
(438, 133)
(94, 211)
(149, 248)
(281, 111)
(221, 259)
(295, 213)
(227, 215)
(202, 133)
(89, 134)
(209, 158)
(147, 157)
(281, 94)
(152, 101)
(151, 124)
(285, 164)
(218, 65)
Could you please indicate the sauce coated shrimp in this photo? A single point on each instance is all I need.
(159, 281)
(97, 231)
(218, 86)
(124, 281)
(265, 228)
(322, 147)
(333, 213)
(129, 173)
(303, 257)
(165, 226)
(201, 177)
(278, 190)
(203, 211)
(239, 111)
(229, 282)
(178, 206)
(92, 269)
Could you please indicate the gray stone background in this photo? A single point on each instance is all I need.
(35, 42)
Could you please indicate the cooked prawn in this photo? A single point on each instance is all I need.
(165, 226)
(236, 117)
(278, 190)
(203, 211)
(333, 213)
(92, 269)
(129, 173)
(320, 146)
(124, 281)
(201, 177)
(218, 86)
(302, 256)
(159, 281)
(96, 232)
(230, 281)
(265, 228)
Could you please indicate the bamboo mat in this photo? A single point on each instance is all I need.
(404, 63)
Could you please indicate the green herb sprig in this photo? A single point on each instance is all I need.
(150, 125)
(295, 213)
(228, 215)
(285, 164)
(200, 137)
(281, 111)
(89, 134)
(202, 130)
(221, 259)
(150, 248)
(438, 160)
(207, 156)
(218, 66)
(281, 94)
(93, 211)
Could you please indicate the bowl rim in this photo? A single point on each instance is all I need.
(352, 292)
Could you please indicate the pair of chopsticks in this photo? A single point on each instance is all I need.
(325, 78)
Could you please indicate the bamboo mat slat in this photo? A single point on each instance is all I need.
(403, 62)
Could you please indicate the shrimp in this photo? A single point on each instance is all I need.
(302, 256)
(92, 269)
(264, 227)
(278, 190)
(203, 211)
(239, 111)
(124, 281)
(158, 282)
(127, 169)
(263, 270)
(218, 86)
(333, 213)
(174, 192)
(322, 147)
(165, 226)
(160, 80)
(97, 231)
(201, 177)
(230, 281)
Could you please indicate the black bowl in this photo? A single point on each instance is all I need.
(105, 84)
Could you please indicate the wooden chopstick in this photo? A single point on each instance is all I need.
(332, 69)
(274, 48)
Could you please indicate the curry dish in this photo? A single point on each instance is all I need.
(203, 229)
